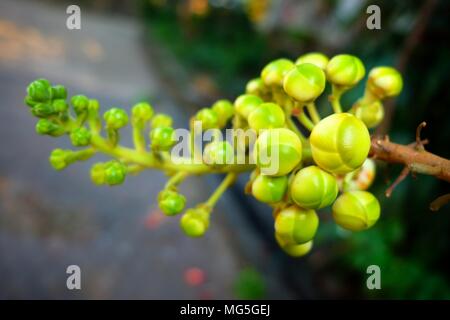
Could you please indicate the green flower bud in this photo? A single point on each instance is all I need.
(313, 188)
(195, 222)
(80, 104)
(115, 118)
(269, 189)
(345, 70)
(277, 151)
(246, 103)
(371, 114)
(162, 138)
(60, 105)
(58, 159)
(59, 92)
(255, 87)
(45, 126)
(274, 72)
(161, 120)
(305, 82)
(266, 116)
(218, 153)
(384, 82)
(171, 202)
(208, 117)
(316, 58)
(39, 90)
(98, 173)
(43, 110)
(80, 137)
(295, 225)
(141, 113)
(115, 173)
(340, 143)
(224, 110)
(356, 210)
(294, 250)
(30, 102)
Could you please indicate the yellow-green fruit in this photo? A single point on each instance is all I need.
(305, 82)
(195, 222)
(269, 189)
(266, 116)
(208, 118)
(356, 210)
(218, 153)
(274, 72)
(345, 70)
(256, 87)
(294, 250)
(224, 110)
(295, 225)
(246, 103)
(340, 143)
(277, 151)
(371, 114)
(384, 82)
(313, 188)
(316, 58)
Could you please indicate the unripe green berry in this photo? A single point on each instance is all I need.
(60, 105)
(59, 92)
(277, 151)
(141, 113)
(115, 173)
(305, 82)
(371, 114)
(345, 70)
(247, 103)
(269, 189)
(162, 138)
(294, 250)
(80, 137)
(195, 222)
(39, 90)
(384, 82)
(313, 188)
(80, 104)
(115, 118)
(58, 159)
(45, 126)
(255, 87)
(356, 210)
(171, 202)
(316, 58)
(218, 153)
(274, 72)
(98, 173)
(43, 110)
(340, 143)
(266, 116)
(224, 110)
(161, 120)
(295, 225)
(209, 118)
(30, 102)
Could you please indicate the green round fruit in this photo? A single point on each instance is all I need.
(266, 116)
(305, 82)
(269, 189)
(295, 225)
(274, 72)
(345, 70)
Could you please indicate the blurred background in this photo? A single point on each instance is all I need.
(181, 56)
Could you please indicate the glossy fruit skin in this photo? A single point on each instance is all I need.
(171, 202)
(255, 87)
(246, 103)
(316, 58)
(356, 210)
(371, 114)
(208, 118)
(313, 188)
(269, 189)
(115, 118)
(345, 70)
(45, 126)
(39, 90)
(80, 137)
(340, 143)
(43, 110)
(267, 115)
(218, 153)
(295, 225)
(277, 151)
(195, 222)
(224, 110)
(384, 82)
(274, 72)
(162, 138)
(305, 82)
(161, 120)
(294, 250)
(59, 92)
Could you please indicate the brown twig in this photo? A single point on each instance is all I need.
(439, 202)
(402, 176)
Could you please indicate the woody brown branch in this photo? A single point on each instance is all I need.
(417, 160)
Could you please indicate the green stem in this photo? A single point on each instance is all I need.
(227, 182)
(305, 121)
(313, 112)
(139, 138)
(80, 155)
(93, 118)
(335, 98)
(291, 125)
(176, 179)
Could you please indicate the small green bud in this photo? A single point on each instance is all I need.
(115, 118)
(195, 222)
(267, 115)
(171, 202)
(384, 82)
(371, 114)
(208, 117)
(345, 70)
(316, 58)
(224, 110)
(218, 153)
(43, 110)
(294, 250)
(30, 102)
(45, 126)
(58, 159)
(162, 138)
(161, 120)
(305, 82)
(40, 90)
(246, 103)
(80, 104)
(274, 72)
(313, 188)
(60, 105)
(59, 92)
(269, 189)
(141, 112)
(115, 173)
(80, 137)
(356, 210)
(98, 173)
(295, 225)
(256, 87)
